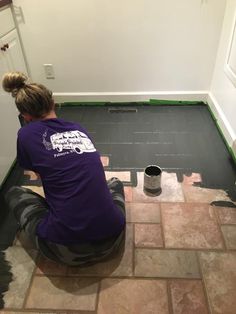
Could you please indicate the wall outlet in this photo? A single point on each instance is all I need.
(49, 71)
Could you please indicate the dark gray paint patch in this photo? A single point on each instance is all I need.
(5, 277)
(223, 204)
(180, 139)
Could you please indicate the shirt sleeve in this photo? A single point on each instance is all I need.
(23, 157)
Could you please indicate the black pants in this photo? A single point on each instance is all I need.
(30, 208)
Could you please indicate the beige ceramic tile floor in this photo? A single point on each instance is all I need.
(179, 258)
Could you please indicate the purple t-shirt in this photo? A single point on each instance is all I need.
(81, 206)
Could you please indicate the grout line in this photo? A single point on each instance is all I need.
(173, 202)
(231, 250)
(228, 224)
(220, 250)
(31, 281)
(98, 278)
(143, 223)
(98, 295)
(184, 192)
(218, 224)
(170, 304)
(162, 227)
(203, 283)
(215, 210)
(133, 247)
(47, 311)
(199, 266)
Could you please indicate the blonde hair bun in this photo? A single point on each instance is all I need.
(13, 81)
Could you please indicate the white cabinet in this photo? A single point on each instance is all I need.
(12, 53)
(11, 59)
(6, 21)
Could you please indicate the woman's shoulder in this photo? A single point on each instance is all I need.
(27, 129)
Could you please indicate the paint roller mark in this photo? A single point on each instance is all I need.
(136, 143)
(113, 143)
(161, 132)
(174, 155)
(112, 123)
(154, 143)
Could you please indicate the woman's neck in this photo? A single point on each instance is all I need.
(50, 115)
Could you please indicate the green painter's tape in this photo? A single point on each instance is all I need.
(222, 134)
(233, 155)
(174, 102)
(152, 102)
(211, 112)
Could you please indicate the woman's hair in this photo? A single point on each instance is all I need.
(34, 99)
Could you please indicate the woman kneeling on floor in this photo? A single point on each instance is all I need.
(81, 220)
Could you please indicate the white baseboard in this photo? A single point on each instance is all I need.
(130, 96)
(222, 121)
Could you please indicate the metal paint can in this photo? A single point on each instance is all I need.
(152, 180)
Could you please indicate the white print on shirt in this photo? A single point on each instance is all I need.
(74, 141)
(48, 145)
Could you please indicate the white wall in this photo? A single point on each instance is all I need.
(122, 45)
(223, 92)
